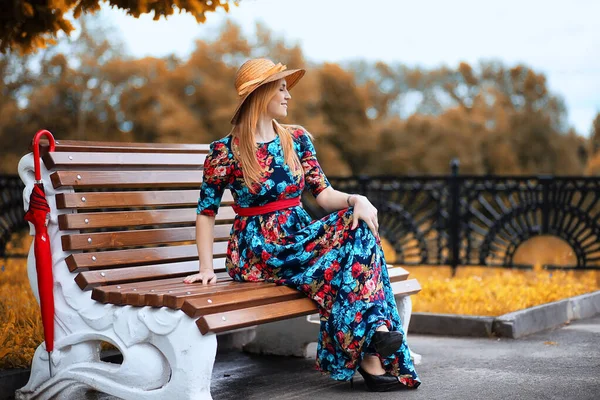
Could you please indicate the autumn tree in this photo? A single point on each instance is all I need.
(367, 118)
(27, 25)
(493, 118)
(593, 167)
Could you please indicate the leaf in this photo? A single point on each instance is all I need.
(28, 9)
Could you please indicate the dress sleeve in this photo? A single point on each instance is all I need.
(313, 174)
(216, 175)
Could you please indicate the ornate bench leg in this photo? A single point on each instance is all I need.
(405, 310)
(285, 338)
(191, 357)
(162, 359)
(42, 386)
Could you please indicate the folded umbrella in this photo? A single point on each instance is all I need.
(39, 215)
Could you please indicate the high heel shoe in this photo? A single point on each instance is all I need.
(386, 343)
(378, 383)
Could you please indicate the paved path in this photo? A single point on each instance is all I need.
(559, 364)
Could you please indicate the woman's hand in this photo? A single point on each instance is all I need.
(363, 209)
(206, 275)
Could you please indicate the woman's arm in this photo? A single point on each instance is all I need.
(214, 182)
(327, 197)
(333, 200)
(204, 242)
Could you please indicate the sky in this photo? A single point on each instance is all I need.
(560, 38)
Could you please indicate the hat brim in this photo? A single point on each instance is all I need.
(291, 76)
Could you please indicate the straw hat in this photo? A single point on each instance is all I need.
(255, 73)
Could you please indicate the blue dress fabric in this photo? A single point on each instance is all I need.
(342, 270)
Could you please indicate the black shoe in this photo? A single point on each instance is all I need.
(379, 383)
(386, 343)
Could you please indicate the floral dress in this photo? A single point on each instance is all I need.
(342, 270)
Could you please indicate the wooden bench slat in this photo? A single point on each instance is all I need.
(70, 160)
(109, 240)
(154, 297)
(115, 294)
(124, 147)
(103, 293)
(159, 298)
(91, 279)
(114, 219)
(251, 316)
(178, 198)
(195, 305)
(120, 294)
(149, 255)
(262, 314)
(127, 179)
(240, 300)
(177, 298)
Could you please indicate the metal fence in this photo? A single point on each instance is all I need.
(11, 208)
(481, 220)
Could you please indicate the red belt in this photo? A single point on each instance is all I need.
(267, 208)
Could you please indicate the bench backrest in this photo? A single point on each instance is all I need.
(133, 210)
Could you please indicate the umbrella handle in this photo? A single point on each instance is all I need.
(36, 150)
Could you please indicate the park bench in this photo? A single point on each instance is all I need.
(122, 234)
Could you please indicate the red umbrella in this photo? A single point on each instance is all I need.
(39, 215)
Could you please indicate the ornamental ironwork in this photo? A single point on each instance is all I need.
(467, 220)
(11, 208)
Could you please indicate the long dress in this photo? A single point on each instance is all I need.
(342, 270)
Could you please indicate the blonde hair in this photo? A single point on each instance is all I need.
(244, 130)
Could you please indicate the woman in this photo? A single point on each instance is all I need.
(337, 261)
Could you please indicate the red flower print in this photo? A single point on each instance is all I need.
(328, 274)
(356, 269)
(335, 266)
(262, 152)
(318, 297)
(265, 255)
(410, 382)
(282, 219)
(351, 297)
(310, 247)
(220, 171)
(358, 317)
(305, 288)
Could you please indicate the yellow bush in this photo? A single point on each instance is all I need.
(21, 329)
(495, 291)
